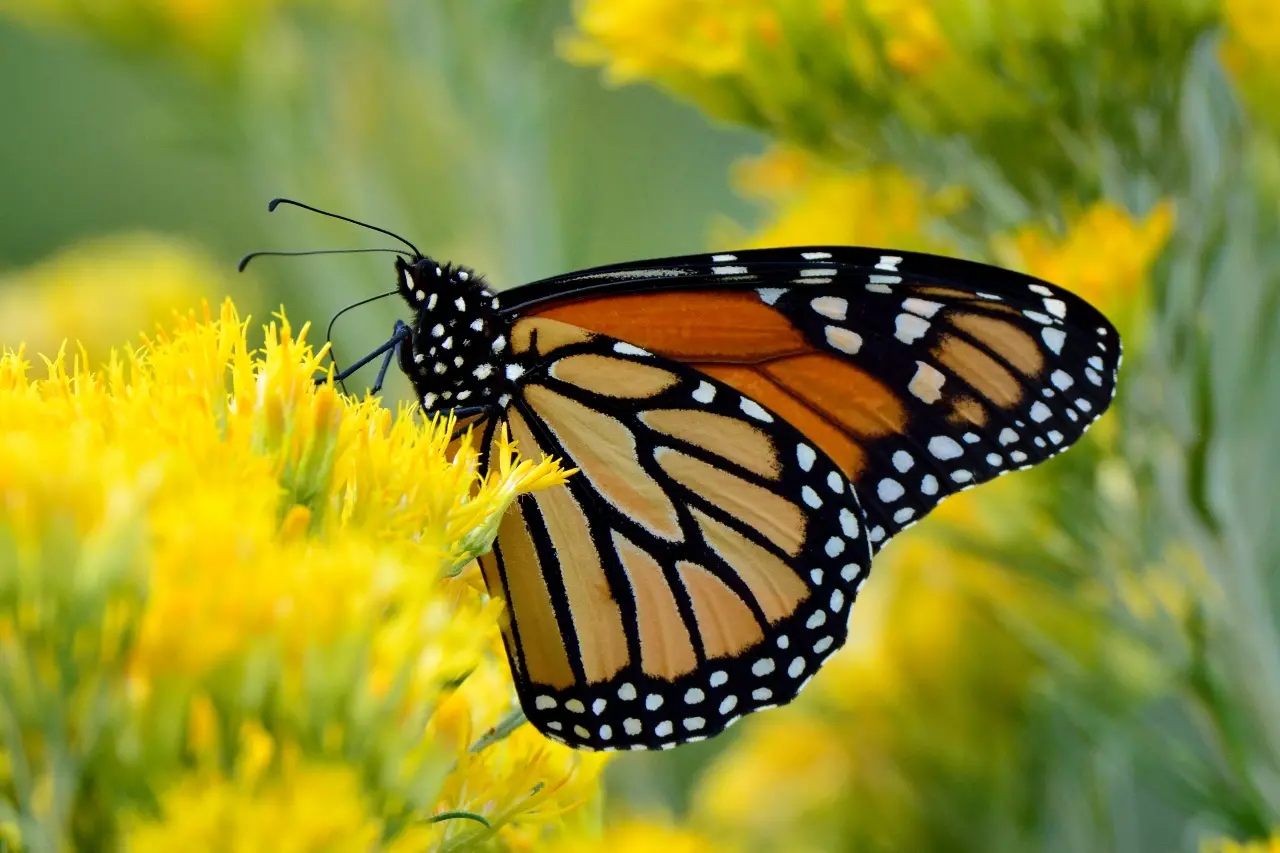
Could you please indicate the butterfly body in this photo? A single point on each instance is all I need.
(456, 353)
(748, 429)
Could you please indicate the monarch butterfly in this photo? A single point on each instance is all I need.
(750, 428)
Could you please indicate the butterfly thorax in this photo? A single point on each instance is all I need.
(455, 355)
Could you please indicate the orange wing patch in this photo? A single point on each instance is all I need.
(986, 375)
(544, 336)
(545, 658)
(689, 326)
(1004, 339)
(732, 439)
(666, 650)
(725, 623)
(597, 619)
(849, 455)
(604, 451)
(779, 520)
(614, 377)
(774, 585)
(860, 403)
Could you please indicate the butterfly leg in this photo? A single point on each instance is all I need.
(401, 333)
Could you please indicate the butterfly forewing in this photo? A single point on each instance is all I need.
(918, 376)
(699, 567)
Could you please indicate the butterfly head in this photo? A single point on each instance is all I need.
(454, 355)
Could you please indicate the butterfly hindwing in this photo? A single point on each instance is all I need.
(699, 566)
(919, 375)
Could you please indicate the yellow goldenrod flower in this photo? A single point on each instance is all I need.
(1254, 29)
(1105, 255)
(1264, 845)
(817, 203)
(196, 541)
(643, 835)
(102, 291)
(643, 39)
(914, 39)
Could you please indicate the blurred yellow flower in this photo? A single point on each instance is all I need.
(101, 291)
(641, 39)
(815, 203)
(927, 699)
(303, 807)
(1105, 255)
(914, 39)
(786, 768)
(209, 31)
(196, 539)
(642, 835)
(1254, 28)
(1251, 50)
(1265, 845)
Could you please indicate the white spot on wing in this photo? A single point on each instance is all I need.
(848, 523)
(909, 328)
(832, 307)
(624, 348)
(729, 270)
(944, 447)
(704, 393)
(923, 307)
(720, 258)
(805, 456)
(815, 256)
(889, 490)
(843, 339)
(889, 262)
(770, 295)
(752, 408)
(926, 385)
(1053, 339)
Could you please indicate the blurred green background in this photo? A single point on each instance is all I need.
(452, 123)
(1084, 657)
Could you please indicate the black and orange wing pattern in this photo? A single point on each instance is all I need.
(917, 375)
(749, 428)
(699, 567)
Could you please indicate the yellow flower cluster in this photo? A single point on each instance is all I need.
(1265, 845)
(705, 37)
(1252, 51)
(812, 202)
(642, 835)
(242, 597)
(1105, 255)
(100, 291)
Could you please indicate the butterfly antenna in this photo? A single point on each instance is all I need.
(276, 202)
(244, 262)
(328, 333)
